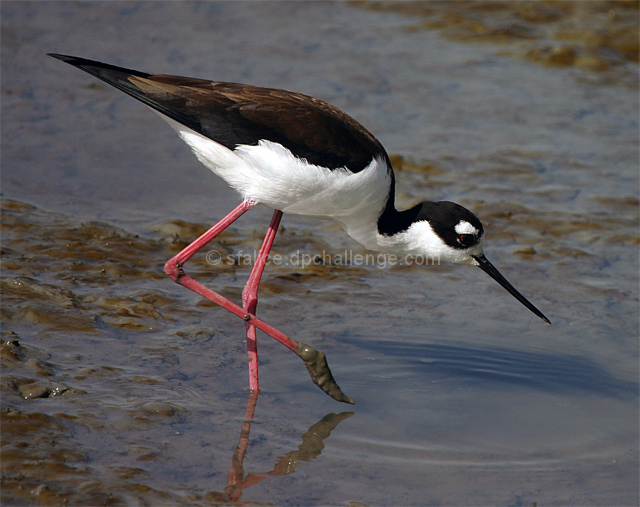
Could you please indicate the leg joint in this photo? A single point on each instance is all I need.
(174, 269)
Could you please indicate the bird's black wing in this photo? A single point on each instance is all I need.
(233, 114)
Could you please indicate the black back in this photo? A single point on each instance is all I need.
(233, 114)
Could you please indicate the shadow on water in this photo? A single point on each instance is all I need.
(310, 448)
(551, 373)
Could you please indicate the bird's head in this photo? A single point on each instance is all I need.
(447, 232)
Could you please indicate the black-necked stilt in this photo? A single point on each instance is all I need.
(296, 154)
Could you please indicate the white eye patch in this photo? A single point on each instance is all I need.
(464, 227)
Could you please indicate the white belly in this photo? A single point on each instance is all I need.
(270, 174)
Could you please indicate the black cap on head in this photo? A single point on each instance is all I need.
(444, 216)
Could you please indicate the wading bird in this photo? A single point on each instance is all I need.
(296, 154)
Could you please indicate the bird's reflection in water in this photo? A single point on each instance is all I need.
(311, 447)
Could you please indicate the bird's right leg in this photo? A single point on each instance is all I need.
(250, 297)
(314, 360)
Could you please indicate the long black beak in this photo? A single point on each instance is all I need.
(489, 269)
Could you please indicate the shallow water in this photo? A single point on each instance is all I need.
(120, 387)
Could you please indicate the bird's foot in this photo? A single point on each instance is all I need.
(316, 363)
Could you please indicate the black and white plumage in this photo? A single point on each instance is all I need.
(298, 154)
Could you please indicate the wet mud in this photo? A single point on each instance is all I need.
(598, 37)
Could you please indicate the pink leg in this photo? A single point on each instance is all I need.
(314, 360)
(173, 266)
(250, 297)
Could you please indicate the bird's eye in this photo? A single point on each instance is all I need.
(466, 240)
